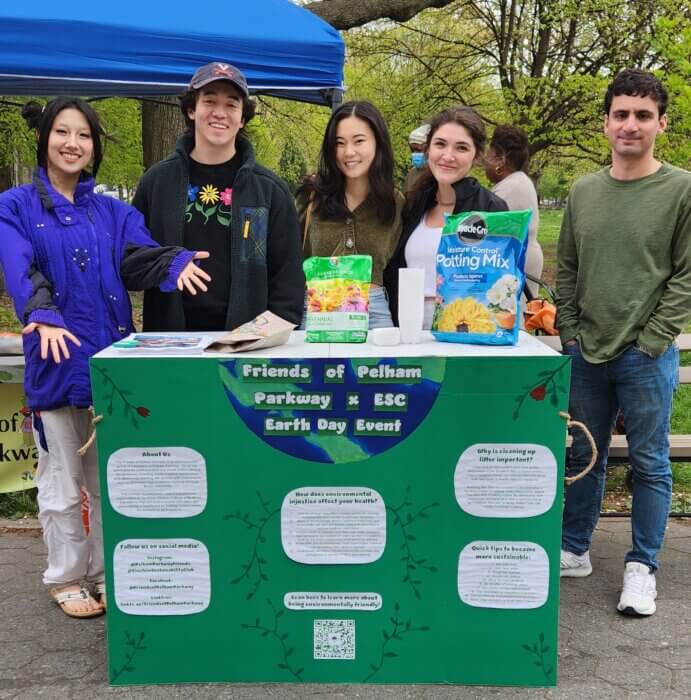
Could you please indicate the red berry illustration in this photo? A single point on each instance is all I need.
(143, 411)
(538, 393)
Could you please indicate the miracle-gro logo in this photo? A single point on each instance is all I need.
(472, 229)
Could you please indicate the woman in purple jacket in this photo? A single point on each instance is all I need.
(69, 257)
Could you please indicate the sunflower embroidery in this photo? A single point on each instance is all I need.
(209, 195)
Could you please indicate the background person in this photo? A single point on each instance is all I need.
(623, 291)
(417, 141)
(351, 207)
(212, 193)
(455, 143)
(506, 162)
(69, 257)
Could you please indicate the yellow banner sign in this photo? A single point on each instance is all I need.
(18, 455)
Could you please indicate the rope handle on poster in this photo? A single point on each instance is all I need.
(570, 423)
(95, 419)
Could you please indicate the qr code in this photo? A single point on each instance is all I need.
(334, 639)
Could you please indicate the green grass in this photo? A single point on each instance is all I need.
(548, 235)
(8, 319)
(18, 505)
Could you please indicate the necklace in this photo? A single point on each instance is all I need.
(349, 234)
(445, 204)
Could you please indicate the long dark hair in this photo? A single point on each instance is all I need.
(464, 116)
(328, 185)
(41, 118)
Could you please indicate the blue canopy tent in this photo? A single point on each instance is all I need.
(152, 47)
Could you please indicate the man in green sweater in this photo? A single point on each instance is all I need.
(623, 295)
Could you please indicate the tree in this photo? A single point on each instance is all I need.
(160, 128)
(292, 165)
(553, 58)
(17, 146)
(162, 124)
(541, 64)
(121, 120)
(345, 14)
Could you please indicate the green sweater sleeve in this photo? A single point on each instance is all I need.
(567, 272)
(673, 310)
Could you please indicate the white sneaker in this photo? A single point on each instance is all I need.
(575, 565)
(639, 593)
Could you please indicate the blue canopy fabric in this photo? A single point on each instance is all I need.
(152, 47)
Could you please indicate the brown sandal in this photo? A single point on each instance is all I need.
(63, 596)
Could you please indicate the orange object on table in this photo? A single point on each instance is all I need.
(540, 315)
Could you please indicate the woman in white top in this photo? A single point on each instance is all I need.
(455, 143)
(505, 164)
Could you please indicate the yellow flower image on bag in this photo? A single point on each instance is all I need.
(466, 315)
(480, 277)
(337, 298)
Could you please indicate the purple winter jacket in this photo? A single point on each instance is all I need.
(70, 265)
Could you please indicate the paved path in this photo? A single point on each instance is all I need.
(43, 654)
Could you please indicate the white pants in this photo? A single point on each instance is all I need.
(72, 555)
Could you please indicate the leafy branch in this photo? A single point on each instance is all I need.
(253, 570)
(136, 645)
(405, 519)
(398, 629)
(546, 386)
(129, 409)
(539, 652)
(282, 638)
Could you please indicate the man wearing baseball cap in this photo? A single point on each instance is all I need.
(211, 194)
(417, 142)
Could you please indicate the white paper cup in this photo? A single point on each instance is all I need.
(411, 303)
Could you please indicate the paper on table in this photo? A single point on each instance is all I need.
(265, 331)
(163, 343)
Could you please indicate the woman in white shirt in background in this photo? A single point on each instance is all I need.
(506, 160)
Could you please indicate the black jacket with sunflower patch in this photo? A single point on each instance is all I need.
(265, 264)
(470, 196)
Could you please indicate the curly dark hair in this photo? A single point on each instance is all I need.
(511, 142)
(637, 83)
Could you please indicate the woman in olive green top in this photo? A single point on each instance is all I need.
(350, 207)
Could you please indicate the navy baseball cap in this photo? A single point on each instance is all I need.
(219, 71)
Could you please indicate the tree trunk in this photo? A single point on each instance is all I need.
(346, 14)
(6, 178)
(162, 124)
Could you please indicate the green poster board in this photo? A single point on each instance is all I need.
(329, 516)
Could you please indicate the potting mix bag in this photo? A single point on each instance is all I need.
(480, 276)
(337, 298)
